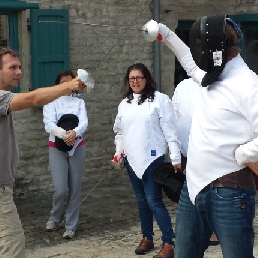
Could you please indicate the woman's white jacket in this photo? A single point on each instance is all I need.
(147, 130)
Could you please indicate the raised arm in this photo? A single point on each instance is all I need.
(182, 52)
(43, 96)
(179, 48)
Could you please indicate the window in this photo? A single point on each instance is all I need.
(9, 24)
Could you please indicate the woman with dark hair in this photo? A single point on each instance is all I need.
(66, 120)
(64, 76)
(145, 127)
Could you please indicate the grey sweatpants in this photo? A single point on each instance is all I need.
(66, 174)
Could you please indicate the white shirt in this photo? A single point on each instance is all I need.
(65, 105)
(146, 131)
(225, 118)
(185, 96)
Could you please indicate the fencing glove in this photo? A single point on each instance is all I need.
(118, 160)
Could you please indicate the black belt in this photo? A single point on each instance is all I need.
(218, 184)
(215, 184)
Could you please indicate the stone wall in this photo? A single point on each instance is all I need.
(106, 53)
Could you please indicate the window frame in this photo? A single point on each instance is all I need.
(11, 9)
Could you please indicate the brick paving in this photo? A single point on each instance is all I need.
(108, 226)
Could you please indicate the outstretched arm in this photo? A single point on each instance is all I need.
(182, 52)
(43, 96)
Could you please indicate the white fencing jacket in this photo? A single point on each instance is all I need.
(186, 95)
(147, 130)
(225, 117)
(61, 106)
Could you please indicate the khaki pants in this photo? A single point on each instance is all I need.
(12, 239)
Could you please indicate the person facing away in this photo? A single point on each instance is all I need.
(66, 164)
(12, 240)
(219, 194)
(144, 127)
(186, 95)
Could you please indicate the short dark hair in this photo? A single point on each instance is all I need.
(149, 89)
(231, 33)
(6, 51)
(62, 74)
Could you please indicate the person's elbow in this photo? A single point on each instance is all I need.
(22, 101)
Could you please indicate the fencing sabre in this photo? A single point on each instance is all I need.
(149, 30)
(92, 82)
(94, 24)
(112, 167)
(85, 197)
(122, 165)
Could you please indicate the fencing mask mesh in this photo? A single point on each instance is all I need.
(207, 41)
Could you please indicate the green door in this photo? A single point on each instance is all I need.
(49, 45)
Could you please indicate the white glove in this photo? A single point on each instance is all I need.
(240, 157)
(58, 132)
(247, 152)
(86, 78)
(152, 30)
(173, 42)
(119, 146)
(117, 160)
(243, 160)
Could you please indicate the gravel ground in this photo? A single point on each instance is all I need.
(108, 226)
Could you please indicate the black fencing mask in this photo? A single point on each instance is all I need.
(171, 182)
(208, 45)
(67, 122)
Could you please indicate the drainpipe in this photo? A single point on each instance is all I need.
(156, 46)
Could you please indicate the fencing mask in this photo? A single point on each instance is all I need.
(67, 122)
(171, 182)
(209, 46)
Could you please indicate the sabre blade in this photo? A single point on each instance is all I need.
(94, 24)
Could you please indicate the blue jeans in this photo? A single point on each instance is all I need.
(149, 197)
(227, 212)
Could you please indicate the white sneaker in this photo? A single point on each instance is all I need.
(50, 225)
(69, 234)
